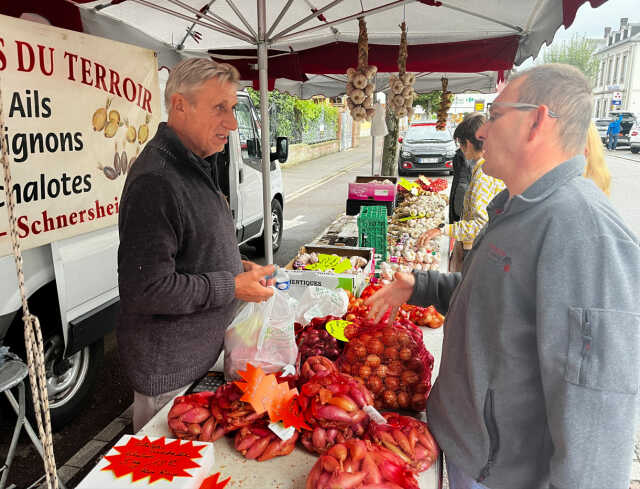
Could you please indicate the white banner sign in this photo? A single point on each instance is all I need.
(77, 110)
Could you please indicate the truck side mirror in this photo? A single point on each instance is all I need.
(253, 148)
(282, 150)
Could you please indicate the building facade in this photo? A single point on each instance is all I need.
(617, 84)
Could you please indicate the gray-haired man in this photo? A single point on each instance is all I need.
(179, 268)
(538, 386)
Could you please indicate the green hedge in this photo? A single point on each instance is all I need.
(299, 120)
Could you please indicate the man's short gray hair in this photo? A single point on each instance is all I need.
(193, 72)
(567, 92)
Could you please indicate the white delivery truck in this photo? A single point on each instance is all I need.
(73, 283)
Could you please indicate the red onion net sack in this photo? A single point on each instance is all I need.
(392, 362)
(190, 418)
(333, 402)
(314, 339)
(316, 365)
(409, 438)
(358, 464)
(229, 411)
(258, 442)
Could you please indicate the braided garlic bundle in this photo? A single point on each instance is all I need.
(445, 104)
(401, 86)
(360, 86)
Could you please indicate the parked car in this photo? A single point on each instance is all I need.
(628, 121)
(634, 138)
(425, 149)
(602, 125)
(73, 283)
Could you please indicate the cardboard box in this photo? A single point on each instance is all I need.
(354, 283)
(135, 460)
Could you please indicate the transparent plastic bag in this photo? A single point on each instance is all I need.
(261, 334)
(318, 302)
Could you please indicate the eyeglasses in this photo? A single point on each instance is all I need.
(521, 106)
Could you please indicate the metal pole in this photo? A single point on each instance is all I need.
(264, 121)
(373, 155)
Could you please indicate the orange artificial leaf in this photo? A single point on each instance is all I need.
(291, 414)
(259, 389)
(212, 482)
(157, 460)
(279, 399)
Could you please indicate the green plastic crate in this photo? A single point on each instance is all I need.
(372, 230)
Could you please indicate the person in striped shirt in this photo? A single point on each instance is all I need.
(482, 189)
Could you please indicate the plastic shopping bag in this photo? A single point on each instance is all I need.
(318, 302)
(261, 334)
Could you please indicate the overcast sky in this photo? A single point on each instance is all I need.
(591, 22)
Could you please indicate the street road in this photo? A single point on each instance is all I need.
(316, 193)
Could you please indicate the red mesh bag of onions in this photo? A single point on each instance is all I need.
(333, 407)
(258, 442)
(409, 438)
(358, 464)
(314, 340)
(190, 418)
(392, 362)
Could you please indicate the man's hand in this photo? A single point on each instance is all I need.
(393, 295)
(428, 236)
(251, 286)
(249, 266)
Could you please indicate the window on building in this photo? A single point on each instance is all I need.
(617, 37)
(615, 69)
(625, 33)
(601, 73)
(610, 40)
(609, 71)
(623, 67)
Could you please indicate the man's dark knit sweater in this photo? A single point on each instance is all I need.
(177, 261)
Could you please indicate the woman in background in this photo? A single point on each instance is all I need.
(596, 169)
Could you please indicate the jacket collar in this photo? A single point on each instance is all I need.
(167, 140)
(539, 190)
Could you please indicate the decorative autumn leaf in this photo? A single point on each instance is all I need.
(143, 458)
(259, 389)
(212, 482)
(291, 414)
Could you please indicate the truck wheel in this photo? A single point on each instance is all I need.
(277, 229)
(70, 380)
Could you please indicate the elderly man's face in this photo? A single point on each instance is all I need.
(209, 117)
(503, 135)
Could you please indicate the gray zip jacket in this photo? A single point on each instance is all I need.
(538, 384)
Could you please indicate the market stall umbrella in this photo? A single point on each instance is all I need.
(514, 30)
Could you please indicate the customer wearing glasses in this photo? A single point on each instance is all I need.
(481, 190)
(538, 384)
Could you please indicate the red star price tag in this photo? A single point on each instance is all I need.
(157, 460)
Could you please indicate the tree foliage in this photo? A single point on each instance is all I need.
(578, 52)
(290, 116)
(430, 102)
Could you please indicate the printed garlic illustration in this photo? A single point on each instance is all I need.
(99, 118)
(131, 132)
(360, 86)
(401, 86)
(108, 171)
(143, 130)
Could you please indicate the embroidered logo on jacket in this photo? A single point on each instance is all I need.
(498, 255)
